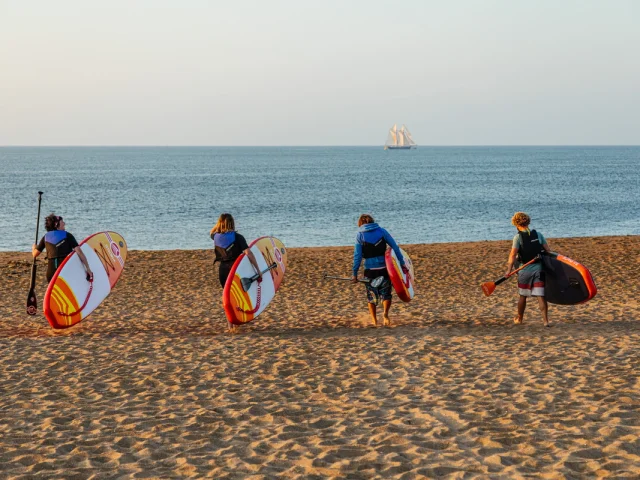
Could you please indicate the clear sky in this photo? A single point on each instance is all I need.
(296, 72)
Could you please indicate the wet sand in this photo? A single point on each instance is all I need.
(151, 385)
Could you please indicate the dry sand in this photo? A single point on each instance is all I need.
(151, 386)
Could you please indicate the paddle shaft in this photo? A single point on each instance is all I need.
(270, 267)
(246, 282)
(32, 303)
(498, 282)
(363, 280)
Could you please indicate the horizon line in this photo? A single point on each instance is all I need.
(318, 146)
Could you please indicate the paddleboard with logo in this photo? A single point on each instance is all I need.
(70, 298)
(567, 282)
(243, 298)
(401, 282)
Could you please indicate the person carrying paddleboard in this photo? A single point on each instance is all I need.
(371, 244)
(527, 244)
(59, 245)
(228, 246)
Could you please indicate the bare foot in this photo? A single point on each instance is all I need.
(374, 322)
(548, 324)
(517, 320)
(387, 321)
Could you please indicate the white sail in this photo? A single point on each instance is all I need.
(392, 138)
(407, 136)
(399, 138)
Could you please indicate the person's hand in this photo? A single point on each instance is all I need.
(405, 270)
(354, 279)
(89, 276)
(508, 271)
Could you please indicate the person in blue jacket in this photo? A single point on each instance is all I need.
(371, 244)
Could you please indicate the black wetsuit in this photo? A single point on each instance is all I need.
(228, 247)
(59, 244)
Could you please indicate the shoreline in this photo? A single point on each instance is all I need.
(409, 245)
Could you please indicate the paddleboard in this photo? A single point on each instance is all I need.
(567, 282)
(402, 283)
(242, 306)
(70, 298)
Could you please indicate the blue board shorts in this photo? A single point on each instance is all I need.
(531, 284)
(383, 291)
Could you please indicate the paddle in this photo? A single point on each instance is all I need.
(489, 287)
(246, 282)
(32, 302)
(375, 283)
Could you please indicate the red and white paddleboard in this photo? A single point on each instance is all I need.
(70, 298)
(242, 304)
(402, 283)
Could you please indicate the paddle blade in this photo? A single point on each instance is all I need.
(32, 302)
(246, 283)
(488, 288)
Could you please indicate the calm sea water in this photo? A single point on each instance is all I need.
(169, 198)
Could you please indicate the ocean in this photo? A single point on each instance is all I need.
(166, 198)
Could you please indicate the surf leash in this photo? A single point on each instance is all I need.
(86, 300)
(258, 299)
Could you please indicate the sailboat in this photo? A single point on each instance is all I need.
(399, 139)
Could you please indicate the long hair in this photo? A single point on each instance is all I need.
(52, 222)
(365, 218)
(224, 224)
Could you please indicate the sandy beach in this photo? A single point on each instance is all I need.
(151, 386)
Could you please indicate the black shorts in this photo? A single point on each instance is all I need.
(383, 291)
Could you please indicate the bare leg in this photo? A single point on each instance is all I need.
(386, 304)
(522, 304)
(544, 307)
(372, 312)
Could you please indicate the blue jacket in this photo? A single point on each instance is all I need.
(371, 233)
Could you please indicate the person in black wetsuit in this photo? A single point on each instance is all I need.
(229, 245)
(59, 244)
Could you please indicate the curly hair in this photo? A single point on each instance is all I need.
(224, 224)
(52, 222)
(364, 219)
(521, 219)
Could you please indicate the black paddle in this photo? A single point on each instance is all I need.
(489, 287)
(246, 282)
(32, 302)
(375, 283)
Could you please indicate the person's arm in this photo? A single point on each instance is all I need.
(396, 249)
(253, 261)
(512, 258)
(545, 245)
(84, 261)
(37, 249)
(513, 254)
(357, 260)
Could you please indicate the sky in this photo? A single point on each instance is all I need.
(296, 72)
